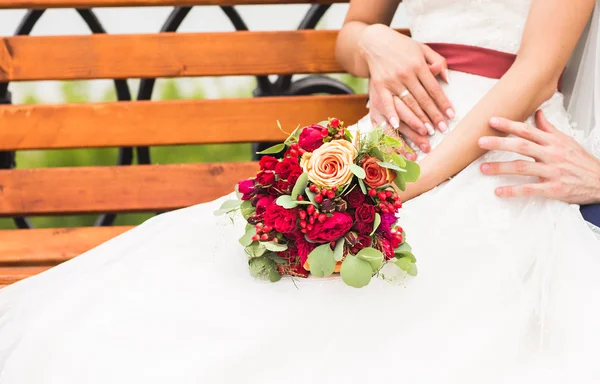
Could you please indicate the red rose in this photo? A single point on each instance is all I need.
(332, 228)
(363, 228)
(364, 241)
(304, 248)
(263, 203)
(265, 178)
(294, 176)
(283, 220)
(384, 245)
(268, 163)
(283, 187)
(355, 198)
(365, 213)
(311, 138)
(246, 188)
(284, 168)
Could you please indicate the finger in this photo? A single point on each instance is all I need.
(408, 117)
(519, 129)
(519, 167)
(435, 91)
(377, 118)
(437, 63)
(426, 103)
(413, 105)
(515, 145)
(543, 123)
(403, 149)
(525, 190)
(384, 102)
(413, 136)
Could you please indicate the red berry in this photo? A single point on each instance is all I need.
(311, 220)
(303, 223)
(315, 214)
(260, 225)
(303, 230)
(395, 197)
(334, 188)
(300, 198)
(324, 192)
(388, 194)
(391, 207)
(398, 204)
(393, 231)
(317, 190)
(294, 146)
(267, 229)
(293, 153)
(301, 151)
(255, 238)
(319, 198)
(335, 122)
(275, 240)
(385, 210)
(312, 188)
(325, 132)
(322, 217)
(372, 192)
(309, 227)
(381, 196)
(310, 209)
(264, 237)
(382, 205)
(330, 194)
(302, 214)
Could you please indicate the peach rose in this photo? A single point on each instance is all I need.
(329, 164)
(376, 175)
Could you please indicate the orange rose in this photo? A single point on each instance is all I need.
(329, 165)
(376, 175)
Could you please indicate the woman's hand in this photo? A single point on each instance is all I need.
(403, 86)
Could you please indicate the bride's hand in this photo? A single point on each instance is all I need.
(402, 81)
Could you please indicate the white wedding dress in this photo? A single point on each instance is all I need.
(508, 290)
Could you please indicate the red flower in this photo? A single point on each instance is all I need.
(263, 203)
(283, 220)
(294, 176)
(355, 198)
(284, 168)
(365, 213)
(268, 163)
(385, 246)
(364, 241)
(246, 188)
(331, 229)
(311, 138)
(295, 269)
(265, 178)
(363, 228)
(304, 248)
(283, 187)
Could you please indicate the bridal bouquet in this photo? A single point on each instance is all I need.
(329, 206)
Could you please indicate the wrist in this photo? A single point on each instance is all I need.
(368, 39)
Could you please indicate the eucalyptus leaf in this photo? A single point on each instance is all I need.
(398, 160)
(274, 275)
(407, 266)
(412, 171)
(391, 141)
(390, 166)
(399, 181)
(247, 209)
(363, 188)
(404, 247)
(276, 258)
(356, 272)
(311, 196)
(274, 247)
(246, 240)
(373, 256)
(321, 261)
(300, 186)
(237, 192)
(375, 152)
(228, 206)
(376, 223)
(256, 249)
(263, 268)
(338, 252)
(323, 123)
(286, 202)
(272, 150)
(358, 171)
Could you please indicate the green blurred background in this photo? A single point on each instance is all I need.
(80, 92)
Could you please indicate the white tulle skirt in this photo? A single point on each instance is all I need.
(507, 292)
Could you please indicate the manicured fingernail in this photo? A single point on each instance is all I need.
(411, 156)
(483, 142)
(485, 167)
(450, 113)
(446, 76)
(498, 191)
(430, 129)
(494, 121)
(395, 123)
(368, 104)
(424, 147)
(443, 126)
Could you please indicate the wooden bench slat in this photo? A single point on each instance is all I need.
(51, 246)
(152, 123)
(143, 188)
(18, 4)
(10, 275)
(167, 55)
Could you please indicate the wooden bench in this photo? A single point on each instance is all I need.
(143, 188)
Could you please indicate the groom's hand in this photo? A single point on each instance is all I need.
(566, 170)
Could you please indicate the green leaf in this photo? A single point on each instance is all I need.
(286, 202)
(375, 152)
(300, 186)
(247, 209)
(356, 272)
(412, 171)
(407, 266)
(228, 206)
(399, 181)
(246, 240)
(373, 256)
(398, 160)
(272, 150)
(264, 268)
(311, 196)
(274, 247)
(376, 223)
(391, 141)
(358, 171)
(323, 123)
(274, 275)
(363, 188)
(403, 248)
(237, 192)
(276, 258)
(256, 249)
(390, 166)
(338, 252)
(321, 261)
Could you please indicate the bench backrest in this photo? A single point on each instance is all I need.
(141, 188)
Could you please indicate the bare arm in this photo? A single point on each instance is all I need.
(551, 33)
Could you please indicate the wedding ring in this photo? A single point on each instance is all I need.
(404, 94)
